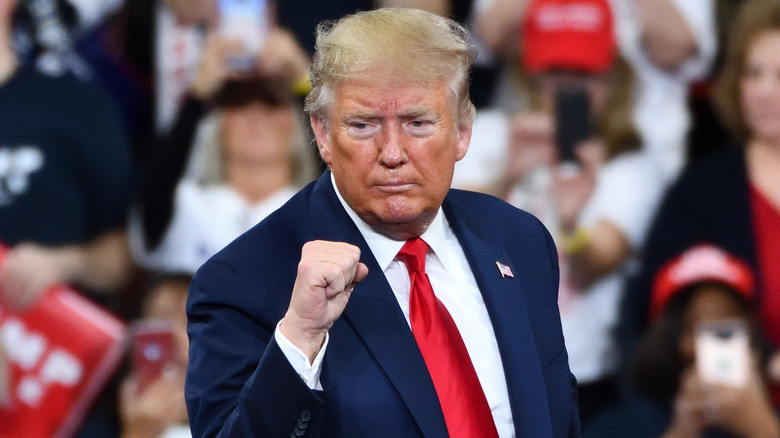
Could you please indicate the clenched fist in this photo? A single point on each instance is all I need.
(327, 273)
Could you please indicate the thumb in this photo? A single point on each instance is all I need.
(360, 273)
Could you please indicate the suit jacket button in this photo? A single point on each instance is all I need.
(299, 433)
(302, 424)
(305, 415)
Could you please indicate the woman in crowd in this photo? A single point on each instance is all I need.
(245, 166)
(677, 393)
(597, 209)
(732, 197)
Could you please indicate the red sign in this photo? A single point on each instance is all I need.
(61, 352)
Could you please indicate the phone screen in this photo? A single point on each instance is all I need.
(154, 350)
(723, 352)
(247, 21)
(572, 122)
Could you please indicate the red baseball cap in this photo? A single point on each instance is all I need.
(702, 263)
(568, 35)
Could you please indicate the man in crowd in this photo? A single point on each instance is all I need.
(378, 302)
(65, 171)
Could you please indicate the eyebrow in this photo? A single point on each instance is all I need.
(412, 113)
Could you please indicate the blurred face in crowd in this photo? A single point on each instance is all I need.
(168, 302)
(760, 88)
(193, 11)
(258, 133)
(709, 303)
(392, 147)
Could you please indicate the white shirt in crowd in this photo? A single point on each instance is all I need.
(205, 219)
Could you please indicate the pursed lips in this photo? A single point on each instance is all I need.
(393, 186)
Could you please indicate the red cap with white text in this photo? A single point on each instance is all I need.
(702, 263)
(568, 35)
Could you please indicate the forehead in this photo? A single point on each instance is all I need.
(392, 96)
(765, 48)
(710, 302)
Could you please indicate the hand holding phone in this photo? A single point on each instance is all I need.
(247, 21)
(723, 353)
(153, 352)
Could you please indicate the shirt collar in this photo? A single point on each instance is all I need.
(385, 248)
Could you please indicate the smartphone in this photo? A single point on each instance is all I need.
(249, 22)
(572, 122)
(153, 351)
(723, 352)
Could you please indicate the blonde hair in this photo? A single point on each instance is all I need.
(206, 163)
(756, 18)
(392, 43)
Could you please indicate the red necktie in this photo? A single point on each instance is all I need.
(466, 410)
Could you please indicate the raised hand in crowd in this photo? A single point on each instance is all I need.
(280, 57)
(574, 185)
(531, 147)
(746, 411)
(29, 269)
(149, 413)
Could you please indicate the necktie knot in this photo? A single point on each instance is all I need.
(413, 253)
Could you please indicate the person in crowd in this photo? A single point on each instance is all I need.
(675, 393)
(598, 203)
(180, 28)
(668, 43)
(250, 161)
(158, 411)
(324, 320)
(731, 197)
(65, 173)
(65, 183)
(182, 25)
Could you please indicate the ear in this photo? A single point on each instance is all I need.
(464, 138)
(320, 129)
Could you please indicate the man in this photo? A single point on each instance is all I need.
(301, 327)
(65, 172)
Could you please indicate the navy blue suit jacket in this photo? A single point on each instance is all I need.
(375, 383)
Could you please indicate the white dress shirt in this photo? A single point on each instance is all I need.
(454, 285)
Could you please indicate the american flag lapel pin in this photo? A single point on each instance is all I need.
(505, 270)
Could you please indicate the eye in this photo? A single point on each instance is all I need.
(361, 128)
(420, 126)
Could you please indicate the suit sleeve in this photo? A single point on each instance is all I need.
(239, 383)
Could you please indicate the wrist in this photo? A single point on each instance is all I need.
(70, 264)
(309, 341)
(575, 240)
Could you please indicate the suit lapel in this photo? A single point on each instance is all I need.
(509, 315)
(374, 314)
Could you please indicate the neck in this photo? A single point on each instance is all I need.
(764, 168)
(256, 183)
(8, 60)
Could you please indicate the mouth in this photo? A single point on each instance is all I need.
(394, 187)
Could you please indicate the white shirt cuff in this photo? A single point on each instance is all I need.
(309, 371)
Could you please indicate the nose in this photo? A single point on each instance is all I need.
(392, 150)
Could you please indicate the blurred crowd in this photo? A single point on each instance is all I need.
(139, 137)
